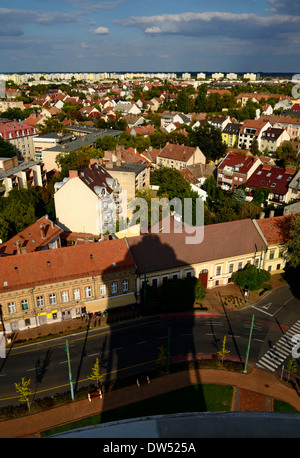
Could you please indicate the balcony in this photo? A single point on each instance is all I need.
(227, 180)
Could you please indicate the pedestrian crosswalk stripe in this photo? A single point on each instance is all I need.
(280, 351)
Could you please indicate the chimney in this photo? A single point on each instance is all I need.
(118, 163)
(272, 213)
(262, 215)
(266, 166)
(73, 173)
(43, 230)
(290, 169)
(109, 165)
(18, 243)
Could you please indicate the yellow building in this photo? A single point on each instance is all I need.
(230, 134)
(54, 285)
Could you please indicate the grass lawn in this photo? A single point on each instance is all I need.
(196, 398)
(283, 407)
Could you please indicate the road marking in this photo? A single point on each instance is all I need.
(94, 354)
(115, 349)
(29, 370)
(140, 343)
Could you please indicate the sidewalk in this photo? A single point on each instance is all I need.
(254, 391)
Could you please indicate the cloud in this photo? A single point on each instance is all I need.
(285, 6)
(12, 19)
(92, 5)
(275, 28)
(101, 31)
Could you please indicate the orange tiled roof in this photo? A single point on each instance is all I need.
(62, 264)
(276, 229)
(31, 239)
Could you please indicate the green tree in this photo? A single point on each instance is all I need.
(251, 277)
(24, 390)
(223, 352)
(293, 245)
(254, 148)
(209, 139)
(6, 149)
(162, 355)
(107, 143)
(286, 155)
(51, 125)
(200, 291)
(76, 160)
(96, 374)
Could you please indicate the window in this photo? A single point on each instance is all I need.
(280, 254)
(52, 298)
(188, 274)
(24, 304)
(218, 271)
(240, 265)
(88, 291)
(271, 254)
(231, 268)
(256, 262)
(175, 276)
(11, 307)
(154, 282)
(76, 293)
(40, 301)
(125, 285)
(269, 268)
(114, 287)
(278, 267)
(65, 296)
(102, 290)
(165, 279)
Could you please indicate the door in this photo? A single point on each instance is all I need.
(203, 277)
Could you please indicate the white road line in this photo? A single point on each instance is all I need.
(28, 370)
(119, 348)
(94, 354)
(140, 343)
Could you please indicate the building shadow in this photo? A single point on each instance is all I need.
(162, 340)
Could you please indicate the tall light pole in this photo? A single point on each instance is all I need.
(70, 373)
(248, 348)
(168, 350)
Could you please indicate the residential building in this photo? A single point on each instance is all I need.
(20, 136)
(251, 129)
(235, 169)
(88, 200)
(126, 108)
(132, 177)
(46, 141)
(219, 122)
(272, 138)
(273, 179)
(44, 234)
(275, 233)
(55, 285)
(291, 125)
(225, 248)
(10, 103)
(179, 156)
(294, 187)
(168, 118)
(21, 174)
(230, 133)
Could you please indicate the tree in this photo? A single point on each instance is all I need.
(76, 160)
(96, 373)
(254, 148)
(24, 390)
(170, 182)
(162, 355)
(200, 291)
(223, 352)
(293, 245)
(51, 125)
(6, 148)
(209, 139)
(286, 155)
(251, 277)
(239, 196)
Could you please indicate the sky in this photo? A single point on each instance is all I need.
(150, 36)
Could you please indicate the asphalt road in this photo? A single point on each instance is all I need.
(133, 347)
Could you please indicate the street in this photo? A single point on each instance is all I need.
(133, 347)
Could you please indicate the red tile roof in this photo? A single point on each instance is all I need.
(274, 178)
(33, 238)
(276, 229)
(177, 152)
(244, 163)
(62, 264)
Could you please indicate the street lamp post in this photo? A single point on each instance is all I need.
(248, 348)
(168, 350)
(69, 365)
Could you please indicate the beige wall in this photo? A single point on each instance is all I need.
(76, 207)
(54, 312)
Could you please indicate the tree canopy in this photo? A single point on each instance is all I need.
(209, 139)
(251, 277)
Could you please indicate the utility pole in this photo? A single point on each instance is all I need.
(248, 348)
(70, 373)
